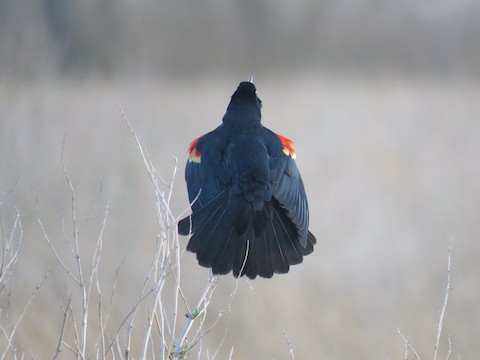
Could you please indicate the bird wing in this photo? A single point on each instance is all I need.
(287, 184)
(205, 173)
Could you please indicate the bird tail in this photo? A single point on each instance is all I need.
(220, 246)
(214, 238)
(277, 247)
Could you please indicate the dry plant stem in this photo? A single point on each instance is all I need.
(101, 320)
(165, 219)
(127, 320)
(93, 279)
(148, 164)
(449, 348)
(62, 330)
(10, 249)
(176, 250)
(197, 338)
(441, 317)
(169, 245)
(160, 273)
(445, 301)
(230, 356)
(11, 246)
(131, 315)
(9, 337)
(167, 263)
(84, 281)
(201, 333)
(224, 333)
(82, 341)
(407, 346)
(290, 346)
(147, 337)
(200, 309)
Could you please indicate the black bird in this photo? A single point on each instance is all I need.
(250, 211)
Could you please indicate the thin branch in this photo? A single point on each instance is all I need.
(101, 320)
(445, 301)
(20, 317)
(198, 310)
(290, 346)
(201, 333)
(55, 253)
(230, 356)
(449, 347)
(10, 250)
(78, 259)
(167, 260)
(62, 329)
(126, 318)
(224, 337)
(9, 345)
(407, 346)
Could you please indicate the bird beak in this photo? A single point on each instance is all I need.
(250, 79)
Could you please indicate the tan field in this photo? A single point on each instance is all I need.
(392, 175)
(382, 101)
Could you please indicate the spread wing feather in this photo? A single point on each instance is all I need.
(287, 183)
(205, 172)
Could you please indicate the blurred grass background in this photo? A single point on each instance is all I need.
(381, 98)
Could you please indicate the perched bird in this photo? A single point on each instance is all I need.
(250, 211)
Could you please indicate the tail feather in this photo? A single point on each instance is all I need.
(242, 252)
(259, 261)
(224, 260)
(190, 224)
(279, 261)
(264, 265)
(311, 240)
(287, 236)
(202, 235)
(213, 235)
(219, 245)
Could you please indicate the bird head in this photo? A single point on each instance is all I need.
(245, 106)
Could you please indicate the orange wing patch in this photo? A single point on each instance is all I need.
(193, 154)
(287, 146)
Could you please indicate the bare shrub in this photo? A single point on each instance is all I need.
(165, 328)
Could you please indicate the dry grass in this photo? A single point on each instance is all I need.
(391, 172)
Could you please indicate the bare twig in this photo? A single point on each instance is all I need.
(126, 320)
(11, 246)
(230, 356)
(449, 347)
(201, 332)
(19, 319)
(290, 346)
(407, 346)
(440, 320)
(201, 307)
(167, 266)
(78, 259)
(445, 301)
(62, 329)
(87, 281)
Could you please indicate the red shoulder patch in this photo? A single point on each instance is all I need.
(193, 154)
(287, 146)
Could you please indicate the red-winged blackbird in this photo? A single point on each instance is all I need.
(250, 212)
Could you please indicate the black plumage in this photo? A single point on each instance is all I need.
(249, 208)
